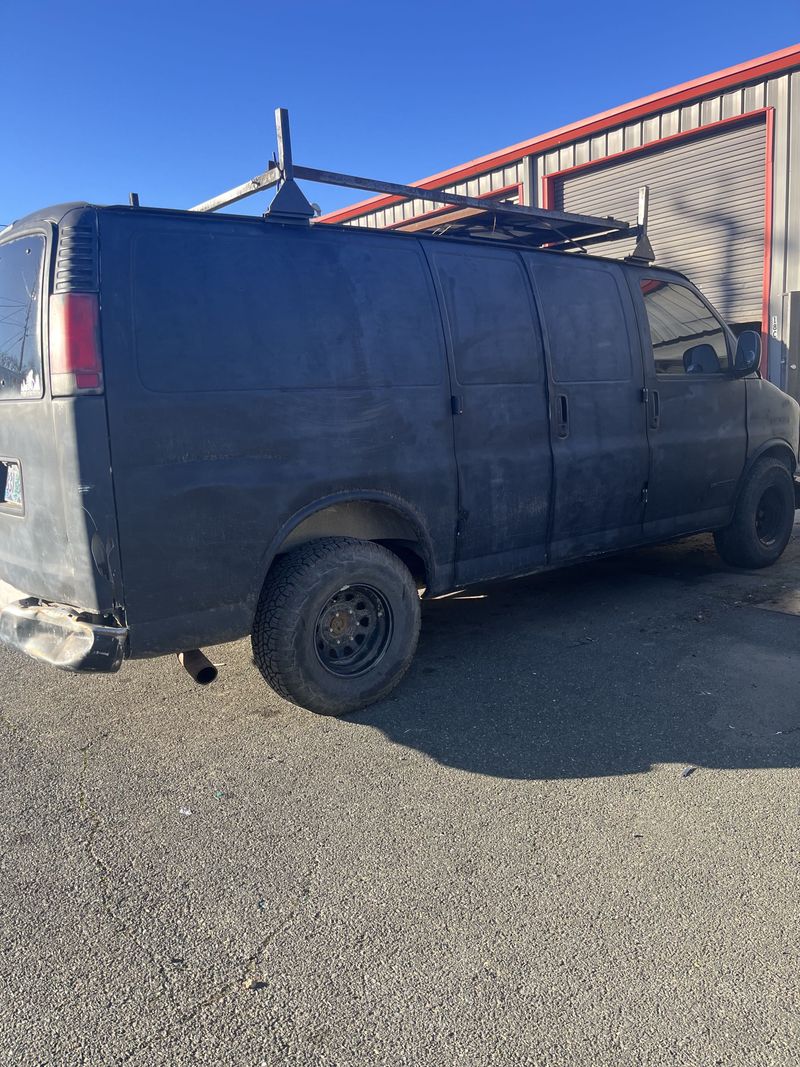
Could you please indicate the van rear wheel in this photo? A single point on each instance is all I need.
(337, 625)
(763, 519)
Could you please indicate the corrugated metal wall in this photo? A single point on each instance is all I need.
(482, 185)
(706, 213)
(653, 128)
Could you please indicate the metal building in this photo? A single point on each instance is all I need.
(721, 157)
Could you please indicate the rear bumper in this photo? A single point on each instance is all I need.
(58, 636)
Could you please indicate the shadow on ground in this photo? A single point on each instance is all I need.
(658, 656)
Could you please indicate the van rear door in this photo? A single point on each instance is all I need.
(57, 523)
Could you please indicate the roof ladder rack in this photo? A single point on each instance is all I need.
(479, 216)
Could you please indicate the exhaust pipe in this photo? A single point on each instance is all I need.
(199, 666)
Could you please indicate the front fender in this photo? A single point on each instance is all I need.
(773, 420)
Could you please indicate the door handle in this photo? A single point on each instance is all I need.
(562, 415)
(655, 409)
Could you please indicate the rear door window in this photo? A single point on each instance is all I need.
(20, 315)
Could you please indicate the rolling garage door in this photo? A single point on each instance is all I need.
(706, 210)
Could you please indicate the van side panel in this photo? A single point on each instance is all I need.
(253, 370)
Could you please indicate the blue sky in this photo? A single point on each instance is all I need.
(175, 99)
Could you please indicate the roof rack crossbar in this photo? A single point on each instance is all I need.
(547, 218)
(266, 180)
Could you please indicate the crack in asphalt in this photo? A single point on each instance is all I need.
(110, 906)
(248, 968)
(243, 980)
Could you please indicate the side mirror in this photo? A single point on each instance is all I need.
(748, 353)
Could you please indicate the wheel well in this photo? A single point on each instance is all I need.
(368, 520)
(410, 554)
(783, 453)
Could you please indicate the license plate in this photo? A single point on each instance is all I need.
(11, 482)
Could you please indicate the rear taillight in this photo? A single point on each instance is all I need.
(75, 364)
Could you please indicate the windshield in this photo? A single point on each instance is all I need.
(20, 327)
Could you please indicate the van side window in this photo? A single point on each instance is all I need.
(585, 320)
(490, 311)
(687, 337)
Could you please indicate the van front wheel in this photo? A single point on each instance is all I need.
(763, 519)
(337, 625)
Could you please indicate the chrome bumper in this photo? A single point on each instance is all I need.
(59, 637)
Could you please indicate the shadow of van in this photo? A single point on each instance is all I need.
(658, 656)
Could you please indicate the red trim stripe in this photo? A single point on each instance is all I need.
(753, 70)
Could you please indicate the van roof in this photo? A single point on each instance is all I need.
(57, 212)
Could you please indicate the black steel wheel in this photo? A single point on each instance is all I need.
(337, 624)
(353, 630)
(763, 519)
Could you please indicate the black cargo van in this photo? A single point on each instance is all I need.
(217, 425)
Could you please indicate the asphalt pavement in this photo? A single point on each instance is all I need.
(570, 838)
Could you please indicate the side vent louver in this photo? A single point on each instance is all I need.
(76, 262)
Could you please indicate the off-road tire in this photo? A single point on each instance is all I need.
(286, 630)
(750, 540)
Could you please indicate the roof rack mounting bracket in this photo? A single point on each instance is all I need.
(643, 253)
(289, 203)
